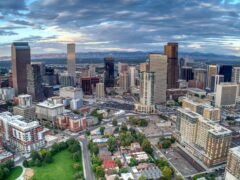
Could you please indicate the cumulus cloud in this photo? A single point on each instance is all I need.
(133, 24)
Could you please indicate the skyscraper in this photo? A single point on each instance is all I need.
(233, 164)
(200, 75)
(215, 80)
(158, 65)
(123, 81)
(71, 60)
(109, 72)
(236, 74)
(34, 82)
(100, 90)
(20, 58)
(132, 76)
(186, 73)
(211, 71)
(226, 70)
(171, 51)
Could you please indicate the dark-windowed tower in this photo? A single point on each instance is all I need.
(171, 51)
(109, 72)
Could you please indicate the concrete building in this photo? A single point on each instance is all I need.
(211, 71)
(147, 81)
(122, 67)
(232, 171)
(34, 82)
(124, 81)
(131, 76)
(226, 94)
(215, 80)
(20, 58)
(71, 92)
(109, 72)
(171, 51)
(7, 93)
(72, 122)
(200, 75)
(48, 110)
(236, 75)
(71, 60)
(100, 90)
(205, 139)
(158, 65)
(25, 136)
(204, 109)
(25, 108)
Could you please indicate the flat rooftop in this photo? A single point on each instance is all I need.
(49, 104)
(236, 151)
(189, 113)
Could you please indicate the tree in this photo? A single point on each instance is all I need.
(118, 162)
(42, 153)
(112, 144)
(161, 163)
(167, 172)
(100, 172)
(35, 155)
(133, 162)
(48, 158)
(142, 178)
(146, 145)
(25, 163)
(77, 166)
(76, 156)
(75, 147)
(37, 162)
(55, 148)
(93, 148)
(88, 133)
(96, 160)
(114, 122)
(124, 127)
(78, 175)
(102, 130)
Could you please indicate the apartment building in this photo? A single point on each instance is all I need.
(203, 138)
(25, 136)
(232, 171)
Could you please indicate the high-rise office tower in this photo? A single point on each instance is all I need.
(226, 94)
(20, 58)
(123, 81)
(171, 51)
(215, 80)
(226, 70)
(187, 73)
(122, 67)
(211, 71)
(200, 75)
(34, 82)
(71, 60)
(236, 74)
(233, 164)
(158, 65)
(109, 72)
(144, 67)
(132, 76)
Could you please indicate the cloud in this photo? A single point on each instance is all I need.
(206, 25)
(7, 33)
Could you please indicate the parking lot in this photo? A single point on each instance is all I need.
(179, 162)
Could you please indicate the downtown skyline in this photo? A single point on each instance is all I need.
(128, 25)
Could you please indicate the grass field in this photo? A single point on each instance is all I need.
(15, 173)
(60, 169)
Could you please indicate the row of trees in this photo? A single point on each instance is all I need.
(5, 169)
(165, 168)
(137, 122)
(166, 142)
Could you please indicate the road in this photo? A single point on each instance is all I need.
(86, 160)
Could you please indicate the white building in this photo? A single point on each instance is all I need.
(233, 164)
(47, 111)
(132, 76)
(158, 65)
(100, 90)
(24, 136)
(147, 81)
(226, 94)
(7, 94)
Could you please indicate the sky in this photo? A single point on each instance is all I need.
(207, 26)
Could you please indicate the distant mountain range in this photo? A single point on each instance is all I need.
(207, 57)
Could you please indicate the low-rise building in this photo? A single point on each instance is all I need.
(48, 110)
(71, 121)
(7, 93)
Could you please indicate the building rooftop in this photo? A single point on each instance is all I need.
(236, 151)
(189, 113)
(70, 88)
(197, 90)
(49, 104)
(219, 130)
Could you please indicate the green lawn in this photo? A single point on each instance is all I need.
(60, 169)
(15, 173)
